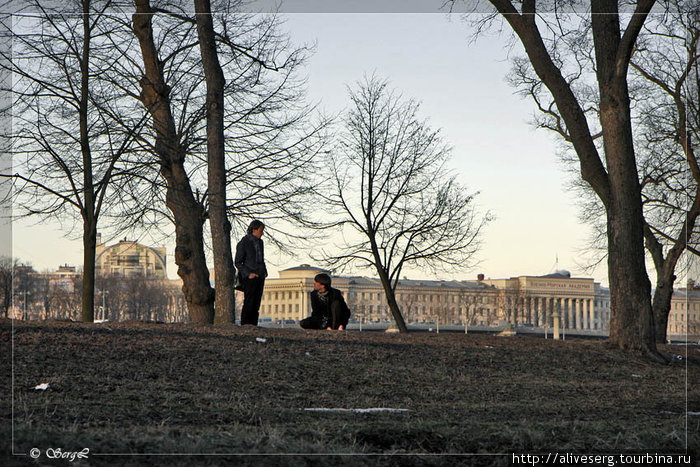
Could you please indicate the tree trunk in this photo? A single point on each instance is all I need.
(187, 211)
(661, 307)
(391, 300)
(87, 313)
(218, 220)
(631, 321)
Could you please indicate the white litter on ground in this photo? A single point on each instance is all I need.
(101, 321)
(260, 339)
(370, 410)
(42, 387)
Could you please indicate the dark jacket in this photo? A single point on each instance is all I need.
(247, 258)
(321, 311)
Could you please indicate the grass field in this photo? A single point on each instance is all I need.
(154, 394)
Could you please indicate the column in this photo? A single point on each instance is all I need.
(579, 307)
(588, 314)
(572, 313)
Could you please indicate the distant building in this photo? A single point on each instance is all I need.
(684, 316)
(129, 258)
(63, 279)
(580, 303)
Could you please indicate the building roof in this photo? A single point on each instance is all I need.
(306, 267)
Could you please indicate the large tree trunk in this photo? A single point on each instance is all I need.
(87, 313)
(218, 220)
(631, 322)
(187, 211)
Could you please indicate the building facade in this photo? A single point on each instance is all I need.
(684, 317)
(129, 258)
(579, 303)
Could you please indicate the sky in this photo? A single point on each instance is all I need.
(461, 84)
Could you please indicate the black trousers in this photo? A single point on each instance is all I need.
(252, 296)
(337, 318)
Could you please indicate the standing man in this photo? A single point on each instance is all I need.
(328, 307)
(250, 263)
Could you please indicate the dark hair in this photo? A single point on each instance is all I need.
(323, 279)
(255, 225)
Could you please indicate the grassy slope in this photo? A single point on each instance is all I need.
(136, 388)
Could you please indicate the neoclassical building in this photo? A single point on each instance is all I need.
(128, 258)
(579, 303)
(684, 317)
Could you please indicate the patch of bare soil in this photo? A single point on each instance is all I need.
(147, 394)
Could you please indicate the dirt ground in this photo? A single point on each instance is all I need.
(155, 394)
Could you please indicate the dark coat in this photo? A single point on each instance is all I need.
(247, 260)
(321, 311)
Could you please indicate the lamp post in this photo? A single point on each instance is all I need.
(104, 304)
(24, 303)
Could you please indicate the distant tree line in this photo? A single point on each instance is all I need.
(36, 295)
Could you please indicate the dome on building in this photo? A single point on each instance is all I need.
(559, 274)
(303, 270)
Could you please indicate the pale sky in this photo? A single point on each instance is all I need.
(462, 87)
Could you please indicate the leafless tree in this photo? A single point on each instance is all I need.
(6, 266)
(65, 153)
(553, 34)
(665, 83)
(397, 202)
(270, 143)
(662, 109)
(224, 305)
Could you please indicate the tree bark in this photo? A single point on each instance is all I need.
(218, 220)
(188, 213)
(386, 284)
(391, 301)
(631, 323)
(87, 313)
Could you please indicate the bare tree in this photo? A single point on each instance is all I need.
(188, 212)
(664, 64)
(615, 181)
(661, 112)
(216, 164)
(398, 202)
(65, 153)
(270, 143)
(6, 266)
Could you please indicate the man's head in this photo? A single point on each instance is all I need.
(256, 228)
(322, 282)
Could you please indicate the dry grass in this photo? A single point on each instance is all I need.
(128, 389)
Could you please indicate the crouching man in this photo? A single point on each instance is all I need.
(328, 307)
